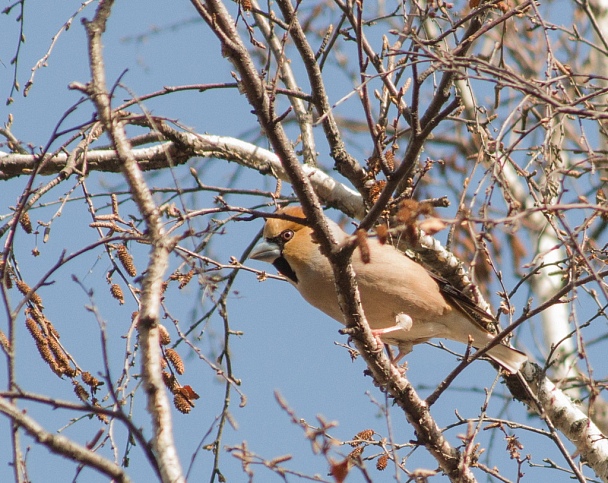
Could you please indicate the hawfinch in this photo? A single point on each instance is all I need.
(404, 305)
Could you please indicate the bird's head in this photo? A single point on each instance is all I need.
(286, 243)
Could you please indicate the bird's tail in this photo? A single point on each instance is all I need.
(509, 358)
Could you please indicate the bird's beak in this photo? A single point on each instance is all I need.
(266, 251)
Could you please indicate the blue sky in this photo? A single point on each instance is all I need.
(286, 346)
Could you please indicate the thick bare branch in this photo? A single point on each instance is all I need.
(62, 445)
(186, 147)
(149, 313)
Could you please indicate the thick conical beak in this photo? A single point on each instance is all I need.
(266, 251)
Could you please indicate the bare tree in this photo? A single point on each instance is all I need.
(481, 124)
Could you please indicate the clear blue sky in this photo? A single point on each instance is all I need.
(286, 345)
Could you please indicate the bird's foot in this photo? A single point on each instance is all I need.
(379, 343)
(401, 368)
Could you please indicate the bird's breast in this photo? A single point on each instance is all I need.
(388, 287)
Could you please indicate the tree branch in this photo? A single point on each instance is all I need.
(149, 313)
(62, 445)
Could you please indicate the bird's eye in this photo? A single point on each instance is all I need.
(287, 235)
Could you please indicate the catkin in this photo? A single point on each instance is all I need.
(382, 462)
(176, 361)
(127, 260)
(182, 403)
(26, 223)
(361, 436)
(116, 292)
(81, 392)
(163, 334)
(170, 381)
(24, 288)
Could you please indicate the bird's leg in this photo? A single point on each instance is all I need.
(404, 349)
(402, 322)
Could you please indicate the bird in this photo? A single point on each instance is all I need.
(403, 303)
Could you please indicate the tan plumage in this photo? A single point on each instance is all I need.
(403, 303)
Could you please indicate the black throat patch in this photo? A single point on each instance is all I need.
(285, 269)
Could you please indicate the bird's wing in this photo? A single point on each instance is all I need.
(466, 304)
